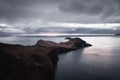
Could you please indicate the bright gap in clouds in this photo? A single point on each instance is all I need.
(21, 29)
(66, 25)
(10, 29)
(42, 34)
(81, 25)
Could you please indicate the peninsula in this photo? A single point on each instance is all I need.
(35, 62)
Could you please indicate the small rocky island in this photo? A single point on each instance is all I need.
(36, 62)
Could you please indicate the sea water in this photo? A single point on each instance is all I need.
(101, 61)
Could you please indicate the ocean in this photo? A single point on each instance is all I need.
(101, 61)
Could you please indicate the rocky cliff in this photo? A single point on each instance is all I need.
(36, 62)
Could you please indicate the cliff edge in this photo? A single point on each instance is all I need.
(36, 62)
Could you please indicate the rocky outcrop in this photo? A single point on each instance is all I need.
(37, 62)
(72, 43)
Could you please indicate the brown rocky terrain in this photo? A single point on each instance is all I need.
(36, 62)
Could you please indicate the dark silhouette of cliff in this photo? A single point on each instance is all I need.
(36, 62)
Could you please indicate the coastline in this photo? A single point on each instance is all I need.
(34, 62)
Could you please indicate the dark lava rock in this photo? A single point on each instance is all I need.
(37, 62)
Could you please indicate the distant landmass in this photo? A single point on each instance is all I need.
(118, 34)
(64, 30)
(58, 35)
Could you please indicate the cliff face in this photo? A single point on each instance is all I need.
(35, 62)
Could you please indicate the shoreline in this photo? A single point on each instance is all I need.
(34, 62)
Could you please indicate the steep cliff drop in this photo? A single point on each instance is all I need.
(36, 62)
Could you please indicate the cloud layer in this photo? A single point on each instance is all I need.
(60, 10)
(40, 13)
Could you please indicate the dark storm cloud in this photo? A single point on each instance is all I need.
(105, 8)
(31, 13)
(11, 10)
(3, 27)
(21, 9)
(82, 6)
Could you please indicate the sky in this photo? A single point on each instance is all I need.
(29, 16)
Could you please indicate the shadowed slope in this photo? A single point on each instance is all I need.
(35, 62)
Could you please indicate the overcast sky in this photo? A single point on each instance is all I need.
(17, 15)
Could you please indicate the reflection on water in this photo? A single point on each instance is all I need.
(99, 62)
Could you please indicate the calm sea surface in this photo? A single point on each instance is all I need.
(99, 62)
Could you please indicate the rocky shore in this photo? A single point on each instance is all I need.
(36, 62)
